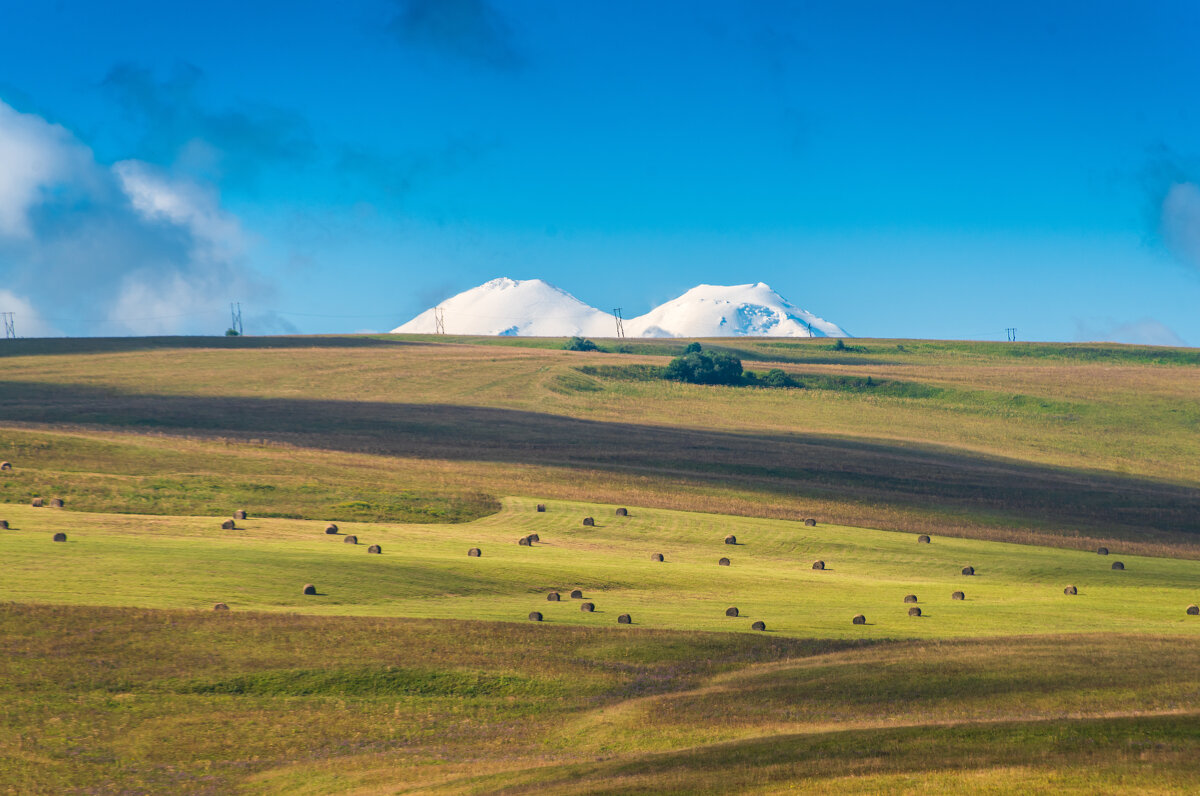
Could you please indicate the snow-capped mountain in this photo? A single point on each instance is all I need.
(525, 307)
(534, 308)
(731, 311)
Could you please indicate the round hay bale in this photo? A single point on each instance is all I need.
(4, 525)
(1193, 610)
(553, 597)
(923, 539)
(588, 521)
(968, 570)
(818, 565)
(858, 619)
(731, 611)
(730, 539)
(759, 626)
(576, 594)
(657, 557)
(541, 507)
(910, 598)
(914, 611)
(220, 607)
(1070, 590)
(722, 562)
(352, 539)
(587, 608)
(56, 503)
(309, 588)
(810, 522)
(228, 526)
(375, 549)
(624, 619)
(1118, 565)
(1102, 551)
(474, 552)
(240, 514)
(523, 541)
(60, 537)
(331, 528)
(535, 616)
(623, 513)
(533, 537)
(5, 465)
(37, 503)
(958, 596)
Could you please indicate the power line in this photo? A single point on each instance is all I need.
(10, 329)
(235, 312)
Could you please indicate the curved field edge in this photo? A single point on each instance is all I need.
(241, 702)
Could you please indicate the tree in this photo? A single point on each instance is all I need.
(580, 344)
(698, 367)
(231, 332)
(692, 348)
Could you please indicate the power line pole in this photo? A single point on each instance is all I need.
(620, 322)
(1012, 334)
(10, 329)
(439, 320)
(235, 313)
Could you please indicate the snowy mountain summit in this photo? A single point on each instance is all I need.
(534, 308)
(731, 311)
(525, 307)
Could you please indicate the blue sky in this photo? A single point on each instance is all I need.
(903, 169)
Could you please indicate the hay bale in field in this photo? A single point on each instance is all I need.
(533, 537)
(60, 537)
(923, 539)
(535, 616)
(375, 549)
(968, 570)
(914, 611)
(553, 597)
(309, 588)
(622, 513)
(730, 539)
(958, 596)
(37, 503)
(1070, 590)
(587, 608)
(56, 503)
(722, 562)
(541, 507)
(331, 529)
(523, 541)
(759, 626)
(858, 619)
(1118, 565)
(5, 465)
(657, 557)
(4, 525)
(352, 539)
(474, 552)
(1102, 551)
(910, 598)
(228, 526)
(810, 522)
(589, 521)
(240, 514)
(818, 565)
(220, 607)
(1193, 610)
(576, 594)
(731, 611)
(624, 619)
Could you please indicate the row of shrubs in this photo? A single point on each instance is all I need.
(694, 366)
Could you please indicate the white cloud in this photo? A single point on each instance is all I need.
(26, 320)
(35, 156)
(1181, 222)
(1146, 331)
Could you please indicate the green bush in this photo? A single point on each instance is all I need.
(700, 368)
(778, 378)
(580, 344)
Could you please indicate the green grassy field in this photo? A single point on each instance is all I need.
(417, 671)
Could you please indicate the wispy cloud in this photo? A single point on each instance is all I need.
(91, 248)
(472, 30)
(1146, 331)
(1180, 224)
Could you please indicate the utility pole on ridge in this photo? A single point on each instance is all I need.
(439, 320)
(620, 322)
(235, 315)
(10, 329)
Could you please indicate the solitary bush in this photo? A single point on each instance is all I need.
(700, 368)
(692, 348)
(778, 378)
(580, 344)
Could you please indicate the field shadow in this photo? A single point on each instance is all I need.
(790, 465)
